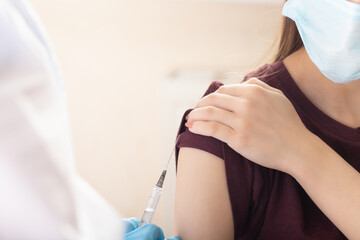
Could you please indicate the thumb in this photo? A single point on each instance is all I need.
(130, 224)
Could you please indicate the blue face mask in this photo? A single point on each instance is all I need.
(330, 31)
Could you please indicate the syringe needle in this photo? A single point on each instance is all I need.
(168, 162)
(169, 159)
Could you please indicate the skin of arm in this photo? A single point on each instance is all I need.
(333, 185)
(202, 204)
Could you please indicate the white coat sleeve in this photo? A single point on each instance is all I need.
(41, 197)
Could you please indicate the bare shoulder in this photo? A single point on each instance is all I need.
(202, 204)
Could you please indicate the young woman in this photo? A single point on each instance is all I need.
(278, 156)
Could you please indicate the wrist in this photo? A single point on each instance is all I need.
(307, 155)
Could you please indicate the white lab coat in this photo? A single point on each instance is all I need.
(41, 196)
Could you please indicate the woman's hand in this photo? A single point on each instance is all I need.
(256, 120)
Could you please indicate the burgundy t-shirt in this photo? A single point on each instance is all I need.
(269, 204)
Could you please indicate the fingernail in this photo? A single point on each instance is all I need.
(189, 124)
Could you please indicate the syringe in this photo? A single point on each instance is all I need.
(155, 196)
(153, 201)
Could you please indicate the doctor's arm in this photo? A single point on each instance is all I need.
(202, 204)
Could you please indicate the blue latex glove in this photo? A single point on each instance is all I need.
(147, 232)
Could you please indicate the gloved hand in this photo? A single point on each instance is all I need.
(147, 232)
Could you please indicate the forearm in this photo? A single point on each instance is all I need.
(332, 184)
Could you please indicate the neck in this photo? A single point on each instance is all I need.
(338, 101)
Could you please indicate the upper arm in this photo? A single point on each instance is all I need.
(202, 203)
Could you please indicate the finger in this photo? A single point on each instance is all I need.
(211, 129)
(130, 224)
(252, 88)
(262, 84)
(149, 230)
(173, 238)
(223, 101)
(245, 91)
(211, 113)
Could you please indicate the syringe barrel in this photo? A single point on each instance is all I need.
(151, 206)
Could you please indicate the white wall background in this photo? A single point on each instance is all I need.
(115, 55)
